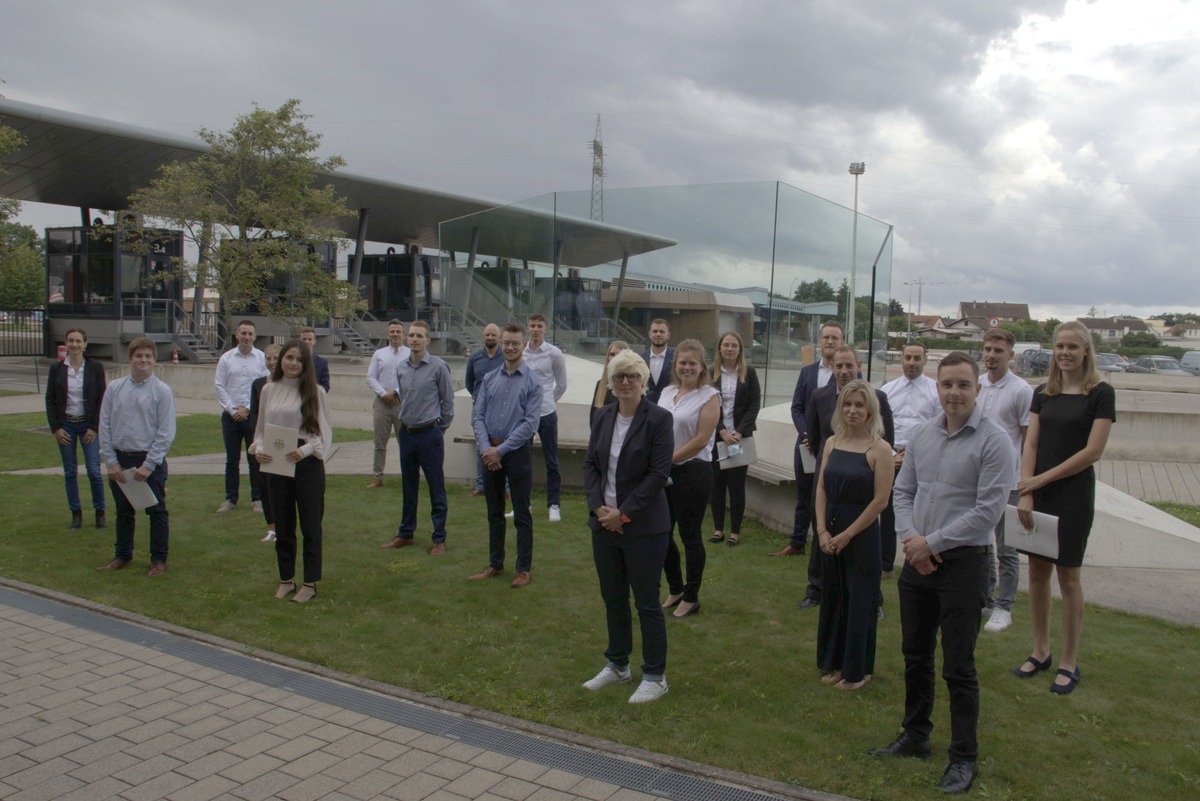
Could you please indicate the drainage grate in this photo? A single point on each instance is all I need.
(573, 759)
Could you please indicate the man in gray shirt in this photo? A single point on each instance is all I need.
(426, 411)
(949, 495)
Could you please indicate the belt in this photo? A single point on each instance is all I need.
(962, 551)
(418, 429)
(70, 418)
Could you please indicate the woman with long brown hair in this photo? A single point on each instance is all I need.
(604, 394)
(741, 397)
(294, 400)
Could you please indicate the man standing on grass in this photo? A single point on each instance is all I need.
(660, 358)
(425, 413)
(236, 372)
(550, 366)
(1006, 399)
(482, 362)
(951, 490)
(385, 409)
(308, 335)
(505, 419)
(137, 427)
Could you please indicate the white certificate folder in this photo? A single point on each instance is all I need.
(1041, 540)
(138, 493)
(279, 441)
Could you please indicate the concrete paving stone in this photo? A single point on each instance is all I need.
(448, 768)
(11, 685)
(197, 749)
(253, 746)
(71, 710)
(203, 727)
(96, 750)
(163, 679)
(228, 700)
(190, 713)
(184, 684)
(625, 794)
(17, 712)
(594, 789)
(474, 782)
(386, 751)
(28, 696)
(105, 766)
(329, 732)
(559, 779)
(68, 646)
(416, 787)
(157, 745)
(102, 790)
(245, 770)
(149, 698)
(347, 769)
(370, 785)
(297, 726)
(147, 769)
(547, 794)
(524, 769)
(154, 728)
(295, 703)
(248, 687)
(265, 786)
(410, 763)
(201, 694)
(107, 728)
(321, 710)
(157, 787)
(445, 795)
(236, 732)
(310, 764)
(244, 711)
(354, 742)
(513, 788)
(51, 731)
(368, 725)
(56, 747)
(25, 655)
(14, 763)
(431, 743)
(490, 760)
(142, 671)
(462, 752)
(13, 730)
(349, 718)
(52, 789)
(296, 747)
(311, 789)
(105, 712)
(103, 684)
(113, 695)
(205, 674)
(227, 682)
(207, 766)
(400, 734)
(69, 670)
(114, 666)
(163, 709)
(166, 661)
(35, 773)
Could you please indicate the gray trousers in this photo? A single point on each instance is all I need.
(1003, 568)
(386, 420)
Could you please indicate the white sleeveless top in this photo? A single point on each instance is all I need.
(687, 416)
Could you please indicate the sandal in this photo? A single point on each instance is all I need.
(307, 593)
(718, 536)
(286, 588)
(733, 540)
(1038, 667)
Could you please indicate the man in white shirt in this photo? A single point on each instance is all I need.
(1006, 399)
(385, 409)
(236, 371)
(549, 365)
(914, 399)
(660, 358)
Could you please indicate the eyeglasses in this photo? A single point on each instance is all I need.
(621, 378)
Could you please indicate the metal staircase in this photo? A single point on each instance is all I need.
(353, 341)
(193, 348)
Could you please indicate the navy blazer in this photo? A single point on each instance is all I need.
(321, 365)
(94, 384)
(642, 468)
(747, 400)
(806, 384)
(820, 418)
(653, 390)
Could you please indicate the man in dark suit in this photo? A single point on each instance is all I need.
(320, 364)
(660, 358)
(74, 391)
(821, 410)
(815, 375)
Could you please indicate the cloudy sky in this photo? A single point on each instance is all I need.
(1034, 151)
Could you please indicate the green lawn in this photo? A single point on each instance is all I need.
(744, 690)
(1185, 512)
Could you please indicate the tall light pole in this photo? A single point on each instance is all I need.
(791, 300)
(857, 168)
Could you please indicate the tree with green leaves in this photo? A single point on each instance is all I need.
(254, 208)
(22, 275)
(815, 291)
(1139, 339)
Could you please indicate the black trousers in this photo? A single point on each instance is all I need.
(949, 600)
(687, 498)
(733, 483)
(517, 468)
(625, 563)
(127, 516)
(302, 496)
(887, 532)
(815, 563)
(802, 517)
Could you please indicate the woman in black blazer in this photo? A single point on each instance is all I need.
(625, 475)
(78, 421)
(741, 399)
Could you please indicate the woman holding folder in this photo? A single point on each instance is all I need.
(740, 400)
(293, 427)
(1069, 423)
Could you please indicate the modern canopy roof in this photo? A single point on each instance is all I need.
(76, 160)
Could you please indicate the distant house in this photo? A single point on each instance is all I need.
(1112, 329)
(919, 321)
(1000, 312)
(964, 329)
(1189, 331)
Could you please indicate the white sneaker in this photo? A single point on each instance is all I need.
(258, 506)
(999, 621)
(269, 538)
(610, 675)
(510, 513)
(649, 691)
(555, 513)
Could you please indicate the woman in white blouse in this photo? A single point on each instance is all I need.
(294, 400)
(741, 397)
(696, 407)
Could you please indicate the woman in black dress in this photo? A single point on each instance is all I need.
(852, 491)
(1071, 417)
(741, 398)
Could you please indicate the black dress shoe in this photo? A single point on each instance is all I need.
(77, 518)
(906, 744)
(101, 522)
(808, 603)
(958, 777)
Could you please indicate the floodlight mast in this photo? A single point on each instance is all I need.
(857, 168)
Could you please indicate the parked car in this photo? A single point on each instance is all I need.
(1191, 362)
(1109, 363)
(1159, 365)
(1039, 362)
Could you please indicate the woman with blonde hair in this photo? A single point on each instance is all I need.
(1069, 423)
(741, 397)
(853, 488)
(604, 393)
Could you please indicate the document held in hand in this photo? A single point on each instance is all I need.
(1041, 540)
(138, 493)
(743, 454)
(279, 441)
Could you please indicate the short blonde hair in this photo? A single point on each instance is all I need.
(629, 362)
(874, 421)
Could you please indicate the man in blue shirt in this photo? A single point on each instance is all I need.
(482, 362)
(507, 411)
(137, 427)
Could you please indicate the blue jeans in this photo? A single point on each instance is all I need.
(1002, 559)
(238, 435)
(425, 451)
(91, 458)
(548, 434)
(127, 515)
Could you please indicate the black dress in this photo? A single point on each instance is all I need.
(1064, 425)
(847, 623)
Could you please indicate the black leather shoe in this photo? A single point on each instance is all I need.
(808, 603)
(907, 745)
(77, 518)
(101, 521)
(958, 778)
